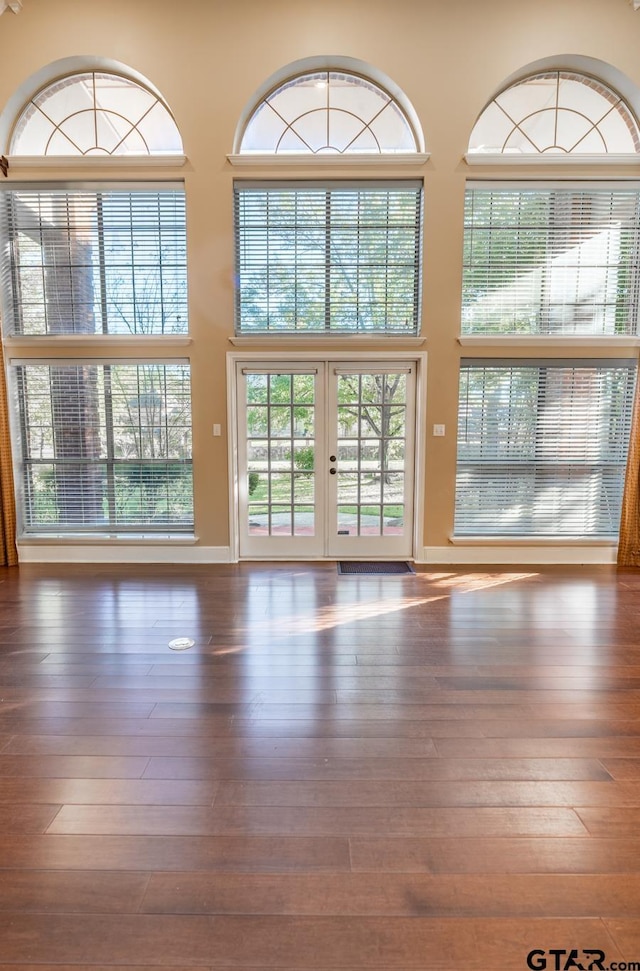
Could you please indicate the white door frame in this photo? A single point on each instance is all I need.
(347, 357)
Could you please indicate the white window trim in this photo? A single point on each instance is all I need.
(345, 356)
(548, 340)
(352, 160)
(322, 340)
(538, 159)
(532, 540)
(104, 539)
(90, 361)
(92, 162)
(153, 343)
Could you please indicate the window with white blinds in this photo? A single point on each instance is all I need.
(331, 257)
(545, 260)
(542, 447)
(93, 260)
(105, 448)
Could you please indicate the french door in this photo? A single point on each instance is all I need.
(326, 459)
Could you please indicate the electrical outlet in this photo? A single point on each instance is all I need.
(438, 431)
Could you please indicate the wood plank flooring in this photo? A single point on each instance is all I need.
(436, 772)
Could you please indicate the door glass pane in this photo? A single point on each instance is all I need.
(258, 519)
(348, 419)
(257, 388)
(370, 520)
(348, 450)
(281, 520)
(347, 520)
(303, 487)
(303, 421)
(370, 421)
(371, 456)
(281, 454)
(371, 437)
(393, 487)
(257, 420)
(304, 389)
(393, 520)
(303, 520)
(280, 422)
(348, 491)
(279, 486)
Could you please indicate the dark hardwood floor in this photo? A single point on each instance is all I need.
(439, 771)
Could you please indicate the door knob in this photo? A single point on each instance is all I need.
(332, 458)
(332, 471)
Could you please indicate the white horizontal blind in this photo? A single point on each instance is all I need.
(551, 261)
(105, 447)
(88, 261)
(313, 258)
(542, 447)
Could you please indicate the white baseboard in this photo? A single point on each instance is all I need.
(537, 555)
(121, 553)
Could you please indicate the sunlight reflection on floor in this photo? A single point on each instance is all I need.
(334, 615)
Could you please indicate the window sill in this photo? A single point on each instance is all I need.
(38, 340)
(141, 348)
(261, 159)
(548, 340)
(536, 159)
(97, 539)
(531, 541)
(89, 163)
(321, 340)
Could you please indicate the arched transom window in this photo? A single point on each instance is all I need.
(328, 112)
(556, 112)
(95, 113)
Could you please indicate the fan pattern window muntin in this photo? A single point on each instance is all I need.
(608, 126)
(328, 113)
(92, 113)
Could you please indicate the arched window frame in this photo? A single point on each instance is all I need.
(340, 65)
(594, 75)
(58, 71)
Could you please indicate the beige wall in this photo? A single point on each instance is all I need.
(207, 57)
